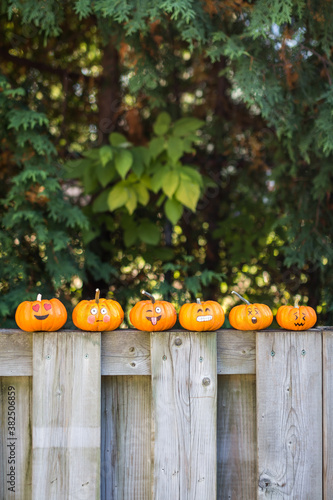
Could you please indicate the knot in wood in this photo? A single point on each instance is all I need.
(206, 381)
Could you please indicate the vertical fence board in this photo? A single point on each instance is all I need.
(184, 383)
(126, 438)
(289, 415)
(236, 438)
(66, 416)
(328, 414)
(15, 438)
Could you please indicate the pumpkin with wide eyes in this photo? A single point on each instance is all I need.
(41, 315)
(153, 315)
(201, 316)
(296, 317)
(250, 316)
(98, 315)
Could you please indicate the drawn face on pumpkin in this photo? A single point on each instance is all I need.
(154, 314)
(253, 314)
(204, 314)
(299, 318)
(98, 314)
(41, 311)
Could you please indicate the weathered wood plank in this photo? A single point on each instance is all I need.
(15, 438)
(236, 352)
(15, 353)
(126, 438)
(289, 415)
(328, 414)
(66, 416)
(184, 384)
(125, 352)
(236, 438)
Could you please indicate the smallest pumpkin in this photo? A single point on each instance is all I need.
(201, 316)
(153, 315)
(41, 315)
(296, 317)
(99, 315)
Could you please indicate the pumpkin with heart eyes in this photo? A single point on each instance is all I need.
(153, 315)
(201, 316)
(250, 316)
(98, 315)
(296, 317)
(41, 315)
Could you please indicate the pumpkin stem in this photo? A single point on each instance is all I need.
(39, 297)
(148, 295)
(242, 298)
(297, 301)
(97, 292)
(198, 301)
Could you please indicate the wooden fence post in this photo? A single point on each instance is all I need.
(184, 387)
(66, 416)
(289, 414)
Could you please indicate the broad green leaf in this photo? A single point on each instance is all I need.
(175, 148)
(184, 126)
(130, 236)
(90, 234)
(101, 202)
(117, 139)
(105, 154)
(173, 210)
(118, 196)
(156, 146)
(93, 154)
(170, 182)
(162, 124)
(90, 182)
(158, 178)
(123, 162)
(105, 174)
(142, 193)
(149, 233)
(132, 201)
(191, 174)
(188, 194)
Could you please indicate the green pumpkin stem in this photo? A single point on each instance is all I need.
(242, 298)
(148, 295)
(97, 292)
(39, 297)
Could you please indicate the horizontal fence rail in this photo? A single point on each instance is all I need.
(130, 415)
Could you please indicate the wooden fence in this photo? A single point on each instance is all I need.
(129, 415)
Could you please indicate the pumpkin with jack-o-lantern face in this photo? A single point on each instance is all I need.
(201, 316)
(153, 315)
(296, 317)
(250, 316)
(41, 315)
(98, 315)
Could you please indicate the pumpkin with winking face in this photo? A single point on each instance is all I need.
(153, 315)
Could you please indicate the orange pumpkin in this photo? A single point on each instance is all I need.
(41, 315)
(153, 315)
(201, 316)
(98, 315)
(250, 316)
(296, 317)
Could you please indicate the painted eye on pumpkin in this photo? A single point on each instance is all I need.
(47, 307)
(158, 310)
(93, 310)
(199, 310)
(256, 311)
(207, 309)
(249, 312)
(104, 310)
(35, 307)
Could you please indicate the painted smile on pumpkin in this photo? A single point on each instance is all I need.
(207, 317)
(154, 319)
(299, 324)
(41, 317)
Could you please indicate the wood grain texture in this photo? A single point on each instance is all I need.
(184, 411)
(126, 438)
(236, 438)
(328, 414)
(15, 353)
(289, 415)
(16, 443)
(126, 352)
(66, 415)
(236, 352)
